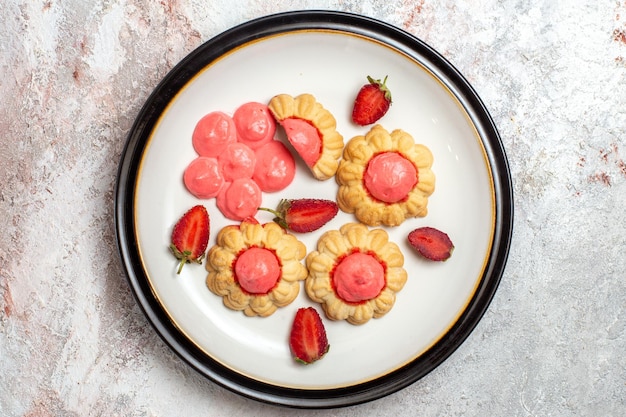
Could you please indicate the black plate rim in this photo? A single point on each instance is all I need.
(258, 29)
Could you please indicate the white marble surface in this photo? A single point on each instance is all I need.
(73, 75)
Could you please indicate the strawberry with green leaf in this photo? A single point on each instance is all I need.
(305, 214)
(308, 340)
(372, 102)
(190, 236)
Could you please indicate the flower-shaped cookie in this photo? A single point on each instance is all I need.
(311, 129)
(355, 273)
(256, 268)
(385, 178)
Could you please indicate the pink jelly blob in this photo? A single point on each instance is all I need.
(358, 277)
(389, 177)
(212, 133)
(257, 270)
(305, 139)
(255, 124)
(237, 161)
(203, 178)
(275, 167)
(239, 199)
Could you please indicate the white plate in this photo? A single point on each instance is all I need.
(329, 55)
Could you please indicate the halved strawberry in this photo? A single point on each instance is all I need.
(308, 341)
(190, 236)
(372, 102)
(431, 243)
(305, 214)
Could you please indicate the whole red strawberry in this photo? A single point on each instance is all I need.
(431, 243)
(190, 236)
(372, 102)
(308, 340)
(305, 214)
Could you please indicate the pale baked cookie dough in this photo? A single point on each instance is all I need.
(385, 178)
(355, 273)
(256, 268)
(323, 158)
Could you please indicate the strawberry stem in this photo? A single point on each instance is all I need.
(279, 217)
(274, 212)
(182, 263)
(183, 256)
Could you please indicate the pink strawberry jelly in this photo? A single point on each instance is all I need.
(237, 161)
(239, 199)
(257, 270)
(203, 178)
(212, 133)
(305, 139)
(275, 167)
(255, 124)
(389, 177)
(358, 277)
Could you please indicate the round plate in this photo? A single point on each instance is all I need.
(329, 55)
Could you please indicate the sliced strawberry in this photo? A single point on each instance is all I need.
(431, 243)
(372, 102)
(305, 214)
(308, 341)
(190, 236)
